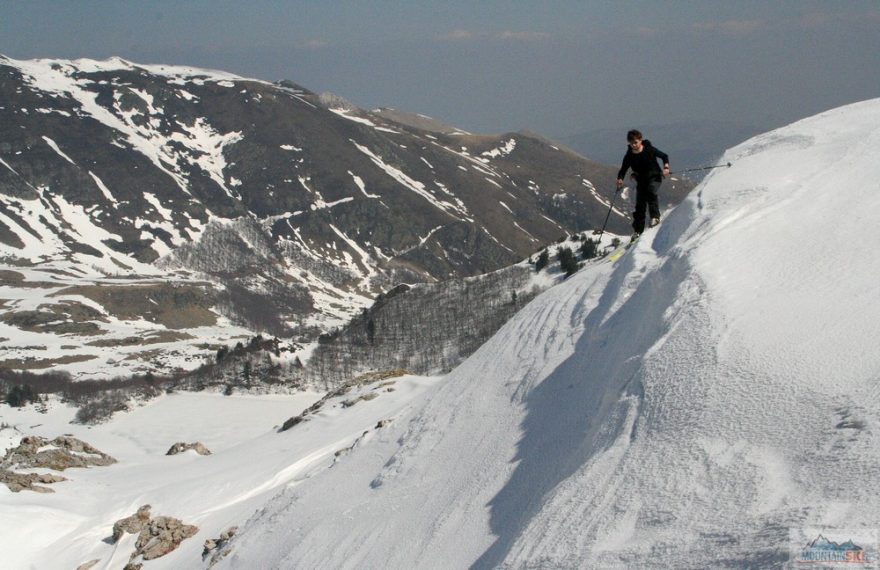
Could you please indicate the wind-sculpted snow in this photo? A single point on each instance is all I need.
(686, 407)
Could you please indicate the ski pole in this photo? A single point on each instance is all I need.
(608, 215)
(728, 165)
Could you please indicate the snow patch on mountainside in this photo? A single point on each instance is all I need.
(501, 151)
(60, 78)
(412, 184)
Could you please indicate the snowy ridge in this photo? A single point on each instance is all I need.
(684, 407)
(39, 70)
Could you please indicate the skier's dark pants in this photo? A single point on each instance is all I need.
(646, 200)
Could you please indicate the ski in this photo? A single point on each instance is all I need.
(621, 249)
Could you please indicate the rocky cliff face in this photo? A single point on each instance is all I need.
(288, 212)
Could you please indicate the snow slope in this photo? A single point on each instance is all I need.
(250, 462)
(686, 407)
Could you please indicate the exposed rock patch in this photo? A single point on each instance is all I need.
(181, 447)
(161, 536)
(173, 305)
(58, 454)
(133, 524)
(156, 536)
(217, 548)
(33, 363)
(28, 481)
(360, 381)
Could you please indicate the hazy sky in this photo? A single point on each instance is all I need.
(556, 67)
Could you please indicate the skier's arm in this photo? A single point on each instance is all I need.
(665, 158)
(622, 172)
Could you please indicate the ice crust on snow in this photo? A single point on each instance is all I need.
(684, 407)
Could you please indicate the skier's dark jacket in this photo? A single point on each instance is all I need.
(644, 164)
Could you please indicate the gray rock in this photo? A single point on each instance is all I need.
(28, 481)
(58, 454)
(161, 536)
(133, 524)
(217, 548)
(156, 536)
(181, 447)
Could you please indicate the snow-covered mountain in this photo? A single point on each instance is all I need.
(225, 200)
(684, 408)
(687, 406)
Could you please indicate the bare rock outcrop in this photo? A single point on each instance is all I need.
(216, 548)
(133, 524)
(58, 454)
(161, 536)
(157, 536)
(358, 382)
(181, 447)
(28, 481)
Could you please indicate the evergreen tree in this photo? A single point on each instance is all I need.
(589, 249)
(246, 372)
(543, 260)
(371, 331)
(20, 395)
(567, 261)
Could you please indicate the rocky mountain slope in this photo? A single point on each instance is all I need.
(140, 201)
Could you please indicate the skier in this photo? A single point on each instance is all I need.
(641, 157)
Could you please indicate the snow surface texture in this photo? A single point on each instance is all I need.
(249, 463)
(683, 408)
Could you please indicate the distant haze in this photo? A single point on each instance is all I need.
(575, 67)
(689, 144)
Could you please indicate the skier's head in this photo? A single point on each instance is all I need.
(634, 140)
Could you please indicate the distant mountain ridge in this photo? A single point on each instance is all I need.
(286, 210)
